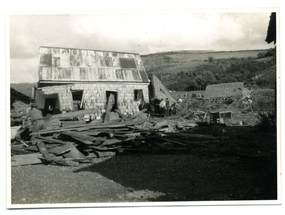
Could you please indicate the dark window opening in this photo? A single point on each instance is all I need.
(77, 99)
(138, 95)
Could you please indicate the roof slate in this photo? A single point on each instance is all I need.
(90, 65)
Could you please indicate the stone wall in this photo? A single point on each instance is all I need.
(94, 95)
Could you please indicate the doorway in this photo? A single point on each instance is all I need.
(77, 99)
(50, 106)
(112, 95)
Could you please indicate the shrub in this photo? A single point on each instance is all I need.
(211, 59)
(260, 55)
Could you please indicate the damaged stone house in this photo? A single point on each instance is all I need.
(225, 91)
(219, 93)
(71, 79)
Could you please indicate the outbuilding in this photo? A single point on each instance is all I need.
(225, 91)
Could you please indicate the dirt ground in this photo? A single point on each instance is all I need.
(241, 168)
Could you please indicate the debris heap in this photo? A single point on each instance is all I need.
(72, 142)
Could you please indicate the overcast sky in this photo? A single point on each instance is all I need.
(132, 31)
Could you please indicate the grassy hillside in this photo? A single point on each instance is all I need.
(25, 88)
(193, 70)
(166, 62)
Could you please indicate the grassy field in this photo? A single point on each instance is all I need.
(178, 61)
(189, 70)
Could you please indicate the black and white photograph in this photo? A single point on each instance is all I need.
(143, 108)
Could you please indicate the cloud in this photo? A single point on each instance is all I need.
(142, 32)
(24, 70)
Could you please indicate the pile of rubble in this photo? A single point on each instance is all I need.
(72, 142)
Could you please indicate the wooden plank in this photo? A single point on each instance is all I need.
(111, 142)
(139, 113)
(43, 150)
(173, 141)
(60, 149)
(97, 133)
(74, 114)
(19, 150)
(161, 124)
(110, 104)
(51, 140)
(73, 153)
(72, 123)
(136, 134)
(124, 117)
(87, 142)
(80, 137)
(100, 154)
(98, 148)
(54, 160)
(179, 125)
(34, 148)
(28, 159)
(91, 126)
(196, 143)
(188, 124)
(110, 132)
(92, 133)
(192, 136)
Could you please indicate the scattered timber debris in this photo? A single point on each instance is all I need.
(72, 142)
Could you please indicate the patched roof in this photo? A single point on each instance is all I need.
(71, 64)
(224, 90)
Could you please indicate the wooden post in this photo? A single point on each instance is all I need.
(33, 92)
(110, 104)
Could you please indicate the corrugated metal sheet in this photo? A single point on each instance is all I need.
(89, 65)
